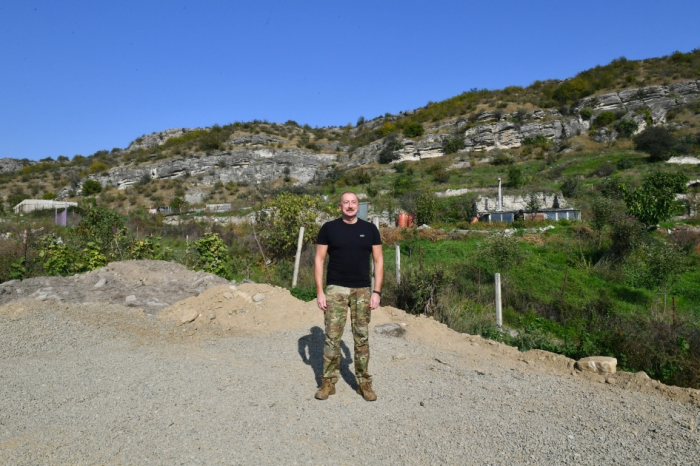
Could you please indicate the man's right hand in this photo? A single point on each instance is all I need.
(321, 301)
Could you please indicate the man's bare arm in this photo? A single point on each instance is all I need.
(378, 259)
(321, 251)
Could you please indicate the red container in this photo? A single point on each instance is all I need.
(402, 221)
(411, 220)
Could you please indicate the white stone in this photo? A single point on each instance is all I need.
(597, 364)
(258, 297)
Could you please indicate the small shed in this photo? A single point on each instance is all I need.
(30, 205)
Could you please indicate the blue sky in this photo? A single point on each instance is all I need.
(80, 76)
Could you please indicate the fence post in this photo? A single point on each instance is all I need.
(24, 245)
(499, 311)
(297, 259)
(398, 265)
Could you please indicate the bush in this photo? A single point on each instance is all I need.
(604, 119)
(387, 153)
(453, 144)
(281, 219)
(586, 113)
(91, 187)
(426, 208)
(515, 177)
(656, 141)
(571, 186)
(654, 202)
(624, 164)
(627, 128)
(413, 130)
(212, 255)
(441, 176)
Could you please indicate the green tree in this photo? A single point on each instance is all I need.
(602, 210)
(281, 219)
(515, 177)
(426, 208)
(413, 130)
(656, 141)
(91, 187)
(653, 202)
(453, 144)
(212, 255)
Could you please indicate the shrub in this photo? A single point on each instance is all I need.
(413, 130)
(515, 177)
(586, 113)
(283, 216)
(419, 290)
(386, 128)
(502, 158)
(627, 128)
(441, 175)
(97, 167)
(91, 187)
(604, 119)
(658, 142)
(402, 184)
(571, 186)
(426, 208)
(624, 164)
(48, 195)
(212, 255)
(500, 253)
(387, 153)
(653, 202)
(453, 144)
(360, 121)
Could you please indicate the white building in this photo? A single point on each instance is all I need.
(30, 205)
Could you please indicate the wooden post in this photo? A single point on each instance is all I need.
(255, 235)
(24, 245)
(420, 256)
(297, 259)
(499, 310)
(674, 310)
(398, 265)
(479, 283)
(563, 288)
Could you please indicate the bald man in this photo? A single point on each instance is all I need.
(349, 241)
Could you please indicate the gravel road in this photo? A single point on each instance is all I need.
(104, 384)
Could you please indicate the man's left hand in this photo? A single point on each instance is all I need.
(374, 301)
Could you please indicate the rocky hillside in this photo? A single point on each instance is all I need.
(602, 104)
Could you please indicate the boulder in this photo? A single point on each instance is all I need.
(390, 330)
(597, 364)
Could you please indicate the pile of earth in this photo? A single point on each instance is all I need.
(145, 284)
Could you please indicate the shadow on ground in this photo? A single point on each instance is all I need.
(311, 352)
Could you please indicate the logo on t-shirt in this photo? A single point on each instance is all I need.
(362, 236)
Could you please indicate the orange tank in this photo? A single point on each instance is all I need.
(411, 220)
(402, 221)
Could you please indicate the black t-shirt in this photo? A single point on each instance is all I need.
(349, 248)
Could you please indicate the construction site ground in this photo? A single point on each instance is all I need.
(162, 365)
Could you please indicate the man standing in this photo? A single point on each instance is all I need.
(349, 241)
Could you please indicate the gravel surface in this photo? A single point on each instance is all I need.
(105, 384)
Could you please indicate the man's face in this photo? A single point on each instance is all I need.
(348, 205)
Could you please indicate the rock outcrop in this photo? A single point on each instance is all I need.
(8, 165)
(246, 165)
(154, 139)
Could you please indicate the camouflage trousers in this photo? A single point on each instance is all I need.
(338, 299)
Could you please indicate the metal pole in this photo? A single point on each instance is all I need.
(297, 259)
(499, 310)
(398, 265)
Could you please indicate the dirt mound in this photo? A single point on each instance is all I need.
(149, 285)
(246, 308)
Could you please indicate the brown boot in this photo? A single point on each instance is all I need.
(365, 389)
(327, 388)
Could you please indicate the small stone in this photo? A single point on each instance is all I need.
(258, 297)
(399, 356)
(233, 287)
(228, 295)
(597, 364)
(187, 315)
(422, 404)
(390, 330)
(211, 315)
(131, 299)
(100, 283)
(611, 380)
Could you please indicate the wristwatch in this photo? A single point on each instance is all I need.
(378, 292)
